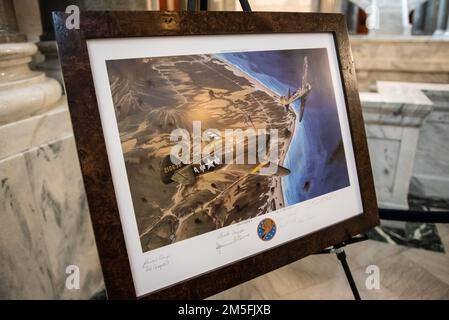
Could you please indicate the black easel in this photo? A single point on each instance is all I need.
(339, 250)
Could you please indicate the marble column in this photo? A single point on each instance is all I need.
(350, 10)
(405, 11)
(8, 23)
(446, 34)
(393, 15)
(23, 92)
(47, 45)
(331, 6)
(418, 19)
(431, 17)
(28, 19)
(442, 18)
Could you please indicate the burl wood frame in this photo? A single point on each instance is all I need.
(94, 158)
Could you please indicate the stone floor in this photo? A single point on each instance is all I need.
(405, 273)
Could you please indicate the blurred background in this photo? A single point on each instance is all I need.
(401, 54)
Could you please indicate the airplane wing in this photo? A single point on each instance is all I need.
(303, 108)
(281, 171)
(184, 176)
(293, 98)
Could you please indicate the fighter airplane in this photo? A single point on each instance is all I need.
(300, 94)
(186, 174)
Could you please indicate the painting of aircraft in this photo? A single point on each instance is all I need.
(300, 94)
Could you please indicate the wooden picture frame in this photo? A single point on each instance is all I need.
(90, 140)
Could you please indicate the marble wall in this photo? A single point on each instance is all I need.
(45, 218)
(392, 128)
(408, 59)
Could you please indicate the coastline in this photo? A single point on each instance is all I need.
(278, 194)
(293, 123)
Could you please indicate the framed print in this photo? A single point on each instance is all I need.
(214, 146)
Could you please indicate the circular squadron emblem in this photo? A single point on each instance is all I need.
(266, 229)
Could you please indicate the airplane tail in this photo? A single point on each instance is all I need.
(168, 168)
(184, 175)
(176, 172)
(303, 107)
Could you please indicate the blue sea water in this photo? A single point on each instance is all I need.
(315, 157)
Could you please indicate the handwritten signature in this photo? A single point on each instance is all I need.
(230, 238)
(156, 263)
(292, 219)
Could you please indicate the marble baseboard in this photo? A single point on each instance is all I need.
(22, 135)
(414, 234)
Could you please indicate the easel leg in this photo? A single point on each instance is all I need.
(341, 255)
(245, 5)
